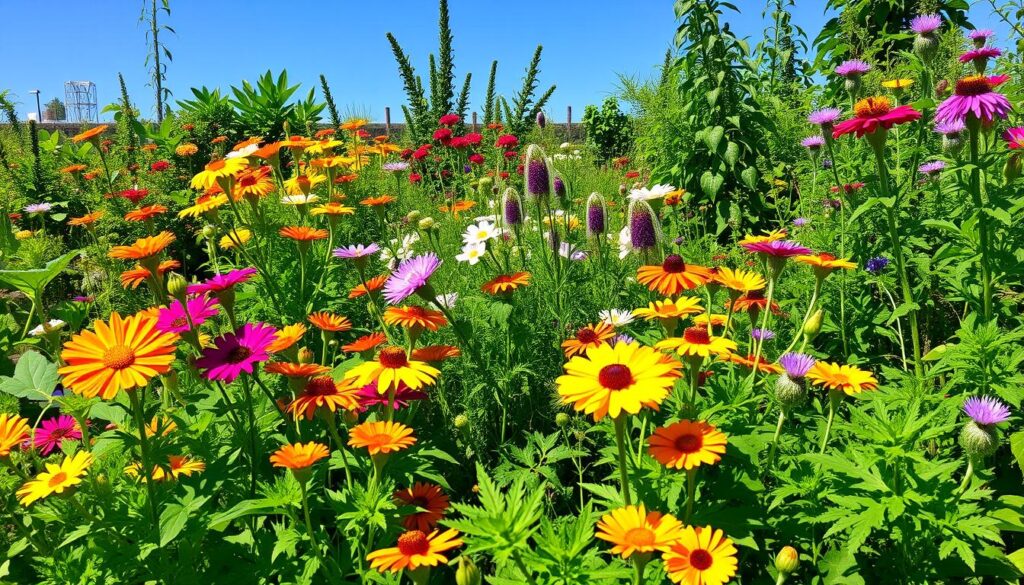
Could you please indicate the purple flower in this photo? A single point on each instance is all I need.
(826, 163)
(778, 248)
(950, 127)
(813, 142)
(567, 250)
(172, 319)
(925, 24)
(537, 178)
(368, 396)
(513, 207)
(832, 203)
(356, 251)
(762, 334)
(38, 207)
(824, 116)
(621, 338)
(801, 221)
(52, 432)
(643, 227)
(974, 96)
(876, 264)
(234, 353)
(596, 212)
(980, 36)
(396, 167)
(84, 299)
(222, 282)
(986, 410)
(796, 364)
(980, 53)
(931, 168)
(410, 276)
(559, 187)
(852, 68)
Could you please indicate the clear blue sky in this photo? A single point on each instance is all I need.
(587, 44)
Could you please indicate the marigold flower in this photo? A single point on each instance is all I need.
(299, 455)
(415, 549)
(381, 437)
(634, 530)
(143, 248)
(506, 283)
(701, 556)
(850, 379)
(325, 321)
(414, 317)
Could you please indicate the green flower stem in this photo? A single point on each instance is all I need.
(253, 434)
(620, 439)
(691, 493)
(966, 483)
(842, 240)
(518, 560)
(835, 397)
(773, 275)
(640, 563)
(147, 468)
(775, 441)
(332, 428)
(810, 311)
(314, 542)
(983, 229)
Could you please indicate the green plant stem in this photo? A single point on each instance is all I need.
(147, 468)
(983, 223)
(691, 493)
(253, 435)
(620, 439)
(834, 398)
(640, 564)
(518, 560)
(314, 542)
(966, 483)
(842, 241)
(807, 315)
(775, 441)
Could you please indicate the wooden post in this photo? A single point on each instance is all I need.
(568, 124)
(474, 121)
(387, 121)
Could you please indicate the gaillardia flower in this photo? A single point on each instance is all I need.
(415, 549)
(687, 444)
(673, 276)
(701, 556)
(391, 368)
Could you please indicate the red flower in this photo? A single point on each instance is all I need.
(632, 174)
(443, 134)
(495, 126)
(458, 142)
(415, 177)
(873, 113)
(449, 120)
(405, 154)
(848, 188)
(503, 174)
(621, 162)
(510, 154)
(476, 158)
(421, 152)
(134, 195)
(362, 134)
(160, 165)
(473, 138)
(507, 141)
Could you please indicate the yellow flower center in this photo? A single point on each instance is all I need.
(118, 357)
(871, 107)
(639, 537)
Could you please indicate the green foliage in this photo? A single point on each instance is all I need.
(607, 128)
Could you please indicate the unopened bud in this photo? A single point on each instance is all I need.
(813, 325)
(306, 356)
(561, 419)
(467, 573)
(427, 223)
(177, 287)
(413, 216)
(461, 421)
(1012, 168)
(787, 560)
(979, 441)
(209, 231)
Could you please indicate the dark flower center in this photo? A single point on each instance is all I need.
(701, 559)
(239, 354)
(674, 264)
(413, 542)
(393, 357)
(697, 335)
(689, 443)
(586, 335)
(322, 386)
(973, 85)
(615, 377)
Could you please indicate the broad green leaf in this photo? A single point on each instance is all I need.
(34, 377)
(749, 176)
(1017, 447)
(33, 280)
(711, 183)
(713, 136)
(175, 516)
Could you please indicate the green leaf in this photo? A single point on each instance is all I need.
(749, 176)
(34, 377)
(713, 136)
(711, 183)
(902, 311)
(732, 153)
(1017, 447)
(175, 516)
(864, 208)
(33, 280)
(1017, 558)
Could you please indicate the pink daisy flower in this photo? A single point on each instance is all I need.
(980, 53)
(52, 432)
(974, 97)
(410, 276)
(172, 319)
(1014, 137)
(872, 114)
(368, 396)
(222, 282)
(778, 248)
(234, 353)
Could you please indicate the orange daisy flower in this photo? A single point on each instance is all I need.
(435, 353)
(13, 431)
(329, 321)
(121, 354)
(752, 300)
(87, 219)
(381, 437)
(431, 501)
(696, 342)
(303, 233)
(298, 455)
(332, 209)
(824, 263)
(506, 283)
(286, 337)
(73, 169)
(850, 379)
(415, 549)
(687, 444)
(458, 206)
(90, 134)
(588, 337)
(323, 392)
(145, 213)
(365, 343)
(634, 530)
(377, 201)
(374, 285)
(268, 151)
(673, 276)
(143, 248)
(415, 317)
(138, 275)
(701, 556)
(392, 368)
(254, 184)
(293, 370)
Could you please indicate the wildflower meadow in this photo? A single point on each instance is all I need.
(756, 319)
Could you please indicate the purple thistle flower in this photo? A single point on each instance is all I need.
(762, 335)
(596, 212)
(52, 432)
(950, 127)
(234, 353)
(931, 168)
(925, 24)
(876, 264)
(796, 364)
(537, 178)
(832, 203)
(801, 221)
(778, 248)
(513, 207)
(172, 319)
(826, 163)
(83, 299)
(410, 276)
(222, 282)
(559, 187)
(813, 142)
(644, 232)
(38, 207)
(824, 116)
(356, 251)
(981, 36)
(986, 410)
(852, 68)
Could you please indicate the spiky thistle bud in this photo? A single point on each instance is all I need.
(537, 174)
(597, 216)
(512, 207)
(644, 228)
(979, 441)
(790, 392)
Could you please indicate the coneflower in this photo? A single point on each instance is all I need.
(597, 213)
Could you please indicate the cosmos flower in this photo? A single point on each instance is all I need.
(356, 251)
(172, 318)
(51, 433)
(237, 352)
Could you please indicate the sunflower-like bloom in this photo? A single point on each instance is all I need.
(415, 549)
(218, 169)
(588, 337)
(303, 233)
(872, 114)
(415, 317)
(611, 380)
(120, 355)
(669, 309)
(701, 556)
(302, 184)
(392, 367)
(739, 280)
(56, 479)
(381, 437)
(145, 213)
(673, 276)
(687, 444)
(824, 263)
(325, 321)
(286, 337)
(143, 248)
(323, 392)
(632, 529)
(697, 342)
(92, 134)
(176, 466)
(254, 184)
(431, 501)
(204, 204)
(299, 455)
(769, 237)
(850, 379)
(13, 430)
(86, 220)
(506, 283)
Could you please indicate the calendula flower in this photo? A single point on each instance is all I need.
(701, 556)
(91, 135)
(298, 455)
(769, 237)
(88, 219)
(378, 201)
(237, 352)
(850, 379)
(506, 283)
(325, 321)
(143, 248)
(435, 353)
(669, 309)
(372, 285)
(415, 549)
(365, 343)
(73, 169)
(254, 183)
(586, 338)
(300, 199)
(634, 530)
(697, 342)
(431, 501)
(216, 170)
(235, 238)
(897, 84)
(753, 300)
(687, 444)
(138, 275)
(205, 203)
(121, 354)
(286, 337)
(56, 479)
(391, 367)
(323, 392)
(381, 437)
(872, 114)
(673, 276)
(739, 280)
(301, 185)
(293, 370)
(748, 361)
(823, 263)
(303, 233)
(332, 209)
(13, 431)
(145, 213)
(611, 380)
(716, 319)
(414, 317)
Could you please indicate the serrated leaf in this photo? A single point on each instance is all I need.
(1017, 448)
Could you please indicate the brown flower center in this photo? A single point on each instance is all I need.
(239, 354)
(615, 377)
(826, 256)
(413, 542)
(586, 335)
(419, 502)
(673, 264)
(118, 357)
(871, 107)
(322, 386)
(393, 357)
(701, 559)
(179, 322)
(697, 335)
(973, 85)
(689, 443)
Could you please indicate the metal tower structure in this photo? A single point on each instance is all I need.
(80, 101)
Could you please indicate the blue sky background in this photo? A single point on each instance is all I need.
(587, 45)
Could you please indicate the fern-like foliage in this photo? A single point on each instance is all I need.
(329, 99)
(489, 97)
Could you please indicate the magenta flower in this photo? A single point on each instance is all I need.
(234, 353)
(925, 24)
(974, 97)
(410, 276)
(222, 282)
(950, 127)
(931, 168)
(368, 396)
(814, 142)
(1014, 137)
(172, 319)
(51, 432)
(824, 116)
(980, 36)
(777, 248)
(986, 410)
(356, 251)
(852, 68)
(980, 53)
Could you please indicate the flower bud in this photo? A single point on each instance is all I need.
(560, 190)
(853, 84)
(537, 175)
(644, 228)
(622, 189)
(484, 184)
(467, 573)
(561, 419)
(461, 421)
(541, 120)
(952, 143)
(1012, 168)
(306, 356)
(512, 207)
(177, 287)
(979, 441)
(209, 231)
(926, 47)
(426, 224)
(813, 325)
(413, 216)
(597, 213)
(787, 560)
(790, 392)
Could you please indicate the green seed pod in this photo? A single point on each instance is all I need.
(427, 223)
(176, 287)
(979, 441)
(413, 216)
(306, 356)
(561, 419)
(1012, 168)
(789, 392)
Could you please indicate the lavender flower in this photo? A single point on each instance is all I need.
(980, 36)
(852, 68)
(396, 167)
(411, 277)
(824, 116)
(931, 168)
(762, 335)
(356, 251)
(801, 222)
(876, 264)
(925, 24)
(986, 410)
(38, 208)
(813, 143)
(796, 364)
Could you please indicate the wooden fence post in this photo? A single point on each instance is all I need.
(387, 120)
